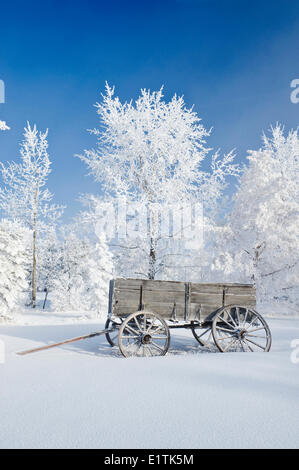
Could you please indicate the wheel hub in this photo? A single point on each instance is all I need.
(146, 339)
(239, 333)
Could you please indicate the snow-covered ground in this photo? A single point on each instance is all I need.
(86, 395)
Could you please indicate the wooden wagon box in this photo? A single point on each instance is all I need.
(177, 300)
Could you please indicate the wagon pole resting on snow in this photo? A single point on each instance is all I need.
(72, 340)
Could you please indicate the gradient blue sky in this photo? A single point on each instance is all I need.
(233, 59)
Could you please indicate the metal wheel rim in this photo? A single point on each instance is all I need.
(112, 337)
(143, 334)
(240, 328)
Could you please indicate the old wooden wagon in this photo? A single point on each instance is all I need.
(142, 313)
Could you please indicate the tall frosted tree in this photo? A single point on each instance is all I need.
(151, 152)
(24, 196)
(260, 239)
(82, 280)
(13, 275)
(50, 260)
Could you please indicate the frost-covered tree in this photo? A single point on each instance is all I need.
(260, 241)
(82, 283)
(151, 152)
(24, 196)
(100, 269)
(13, 283)
(4, 126)
(50, 262)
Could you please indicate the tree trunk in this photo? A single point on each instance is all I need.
(34, 271)
(45, 300)
(153, 226)
(152, 260)
(34, 249)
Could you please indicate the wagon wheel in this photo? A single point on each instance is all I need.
(239, 328)
(143, 334)
(203, 334)
(111, 323)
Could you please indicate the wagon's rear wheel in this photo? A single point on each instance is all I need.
(143, 334)
(240, 328)
(203, 334)
(112, 337)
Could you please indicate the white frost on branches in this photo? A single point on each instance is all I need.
(151, 152)
(82, 282)
(4, 126)
(24, 196)
(261, 239)
(13, 283)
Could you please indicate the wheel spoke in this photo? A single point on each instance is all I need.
(127, 327)
(137, 323)
(149, 349)
(230, 344)
(245, 318)
(248, 346)
(256, 329)
(251, 323)
(136, 342)
(224, 338)
(159, 337)
(228, 311)
(158, 328)
(222, 319)
(238, 315)
(131, 351)
(210, 335)
(255, 336)
(130, 336)
(156, 345)
(204, 333)
(256, 344)
(224, 329)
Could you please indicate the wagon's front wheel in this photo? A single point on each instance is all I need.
(240, 328)
(143, 334)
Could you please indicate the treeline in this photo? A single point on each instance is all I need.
(150, 154)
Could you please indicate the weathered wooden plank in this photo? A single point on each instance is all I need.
(207, 298)
(166, 296)
(150, 306)
(241, 290)
(126, 293)
(240, 299)
(148, 284)
(206, 288)
(119, 312)
(159, 310)
(200, 312)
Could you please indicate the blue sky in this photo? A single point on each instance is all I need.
(233, 59)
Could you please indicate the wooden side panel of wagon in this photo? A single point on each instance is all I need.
(178, 300)
(205, 299)
(162, 297)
